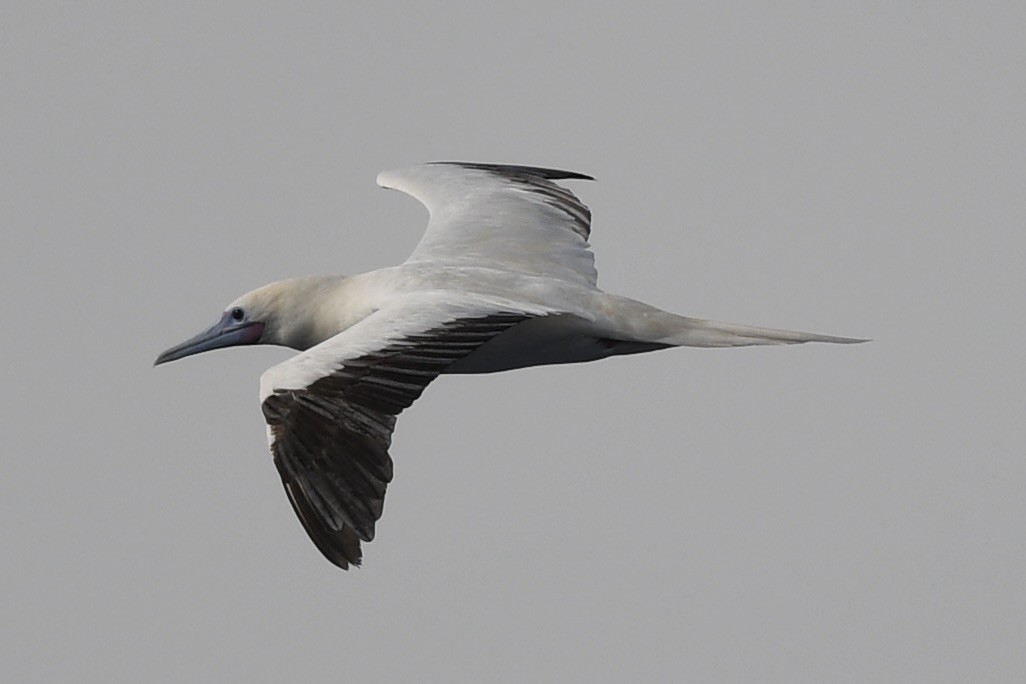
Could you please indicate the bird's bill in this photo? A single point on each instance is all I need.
(225, 333)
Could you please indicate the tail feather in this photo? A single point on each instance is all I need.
(629, 320)
(696, 332)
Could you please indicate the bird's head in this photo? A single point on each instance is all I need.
(296, 313)
(244, 321)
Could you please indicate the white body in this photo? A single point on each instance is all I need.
(491, 247)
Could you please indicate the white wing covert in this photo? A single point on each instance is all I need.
(510, 218)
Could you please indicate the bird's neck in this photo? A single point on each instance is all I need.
(314, 309)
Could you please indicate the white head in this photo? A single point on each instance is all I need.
(282, 313)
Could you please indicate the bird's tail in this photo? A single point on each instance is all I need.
(695, 332)
(647, 323)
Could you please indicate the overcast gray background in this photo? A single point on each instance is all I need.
(812, 513)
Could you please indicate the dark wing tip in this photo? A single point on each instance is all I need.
(514, 171)
(341, 547)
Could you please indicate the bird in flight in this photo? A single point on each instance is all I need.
(503, 278)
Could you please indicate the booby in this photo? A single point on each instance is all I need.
(502, 278)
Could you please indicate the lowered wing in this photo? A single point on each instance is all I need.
(330, 410)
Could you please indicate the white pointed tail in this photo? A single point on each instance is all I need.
(640, 322)
(695, 332)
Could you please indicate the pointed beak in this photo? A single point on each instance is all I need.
(225, 333)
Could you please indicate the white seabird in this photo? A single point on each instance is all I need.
(503, 278)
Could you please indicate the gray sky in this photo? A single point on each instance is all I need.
(810, 513)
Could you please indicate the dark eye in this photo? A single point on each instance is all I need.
(238, 314)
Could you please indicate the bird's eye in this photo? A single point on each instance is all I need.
(238, 314)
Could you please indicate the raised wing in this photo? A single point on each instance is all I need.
(330, 412)
(512, 218)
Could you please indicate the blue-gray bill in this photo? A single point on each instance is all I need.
(227, 332)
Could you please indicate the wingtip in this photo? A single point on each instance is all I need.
(405, 179)
(343, 555)
(516, 169)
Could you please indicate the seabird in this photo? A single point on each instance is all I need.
(503, 278)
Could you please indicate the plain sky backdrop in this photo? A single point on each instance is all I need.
(793, 514)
